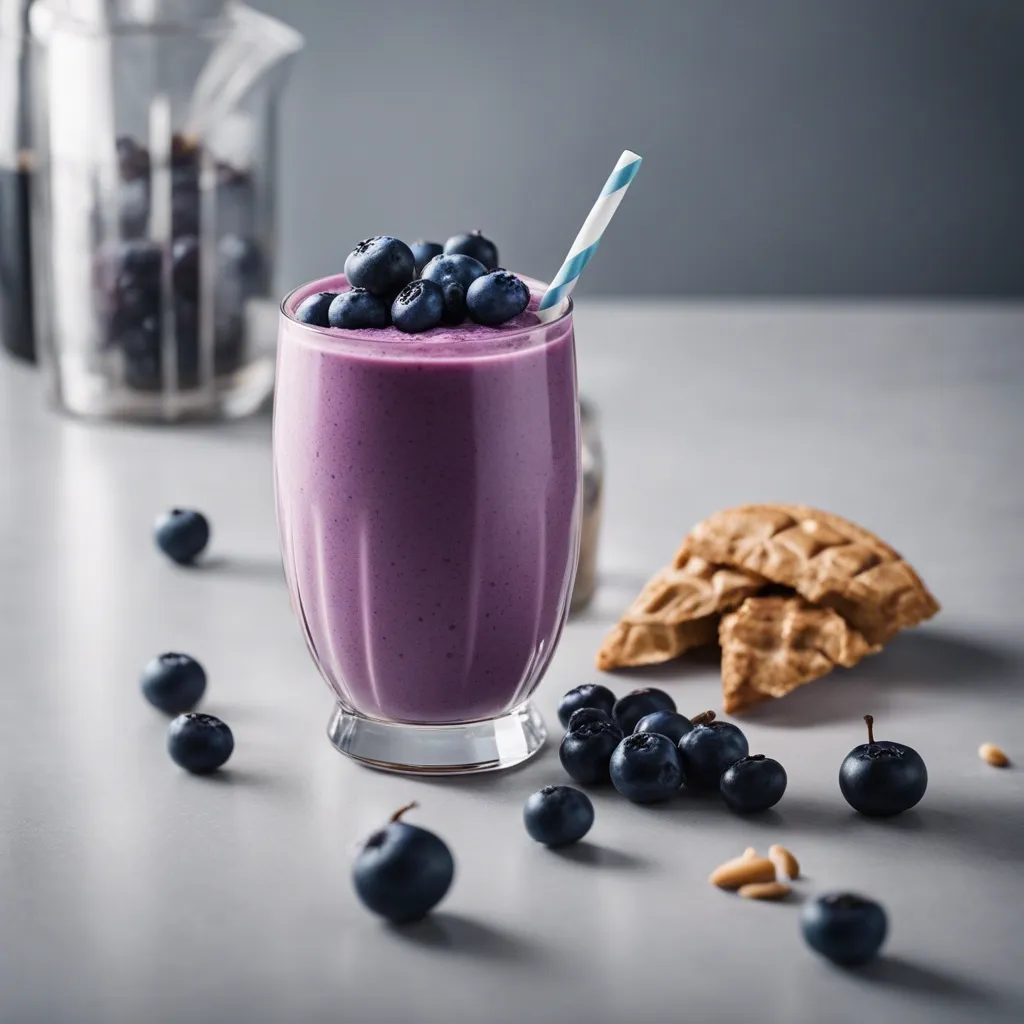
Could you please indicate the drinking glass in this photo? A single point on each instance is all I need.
(428, 501)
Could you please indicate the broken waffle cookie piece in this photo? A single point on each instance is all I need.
(772, 645)
(830, 561)
(678, 609)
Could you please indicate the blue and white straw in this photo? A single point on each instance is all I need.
(589, 237)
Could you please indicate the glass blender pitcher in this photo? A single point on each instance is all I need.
(154, 123)
(15, 167)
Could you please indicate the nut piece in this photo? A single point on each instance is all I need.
(749, 852)
(765, 891)
(786, 865)
(993, 755)
(742, 871)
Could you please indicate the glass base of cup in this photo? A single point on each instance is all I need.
(485, 746)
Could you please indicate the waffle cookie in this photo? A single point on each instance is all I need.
(825, 558)
(678, 609)
(772, 645)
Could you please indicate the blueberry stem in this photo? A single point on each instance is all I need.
(704, 718)
(871, 727)
(401, 810)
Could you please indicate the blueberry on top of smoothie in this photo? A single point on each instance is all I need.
(382, 265)
(424, 252)
(476, 245)
(497, 297)
(419, 306)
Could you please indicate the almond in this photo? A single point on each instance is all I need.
(993, 755)
(742, 871)
(765, 891)
(785, 863)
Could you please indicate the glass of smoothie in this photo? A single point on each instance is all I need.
(428, 502)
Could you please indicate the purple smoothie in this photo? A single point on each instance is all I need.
(428, 504)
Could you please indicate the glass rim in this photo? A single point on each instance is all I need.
(502, 343)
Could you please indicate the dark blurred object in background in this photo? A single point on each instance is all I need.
(16, 332)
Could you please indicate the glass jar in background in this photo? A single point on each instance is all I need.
(592, 463)
(154, 123)
(16, 333)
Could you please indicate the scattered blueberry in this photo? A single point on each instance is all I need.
(182, 534)
(588, 695)
(584, 715)
(314, 309)
(173, 683)
(884, 778)
(454, 303)
(586, 750)
(357, 309)
(199, 743)
(381, 265)
(847, 929)
(708, 749)
(402, 871)
(423, 252)
(419, 306)
(558, 815)
(645, 768)
(474, 244)
(665, 723)
(461, 270)
(497, 297)
(628, 710)
(753, 784)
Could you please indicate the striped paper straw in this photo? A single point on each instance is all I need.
(590, 234)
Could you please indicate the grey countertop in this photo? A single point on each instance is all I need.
(132, 892)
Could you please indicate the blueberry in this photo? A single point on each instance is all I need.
(497, 297)
(635, 705)
(357, 309)
(645, 768)
(173, 683)
(314, 309)
(419, 306)
(589, 695)
(143, 369)
(199, 743)
(474, 244)
(558, 815)
(185, 265)
(402, 871)
(138, 264)
(585, 751)
(423, 252)
(242, 258)
(454, 304)
(461, 270)
(380, 265)
(884, 778)
(708, 749)
(584, 715)
(181, 534)
(665, 723)
(847, 929)
(753, 784)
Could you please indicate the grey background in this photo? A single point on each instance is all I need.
(803, 147)
(132, 892)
